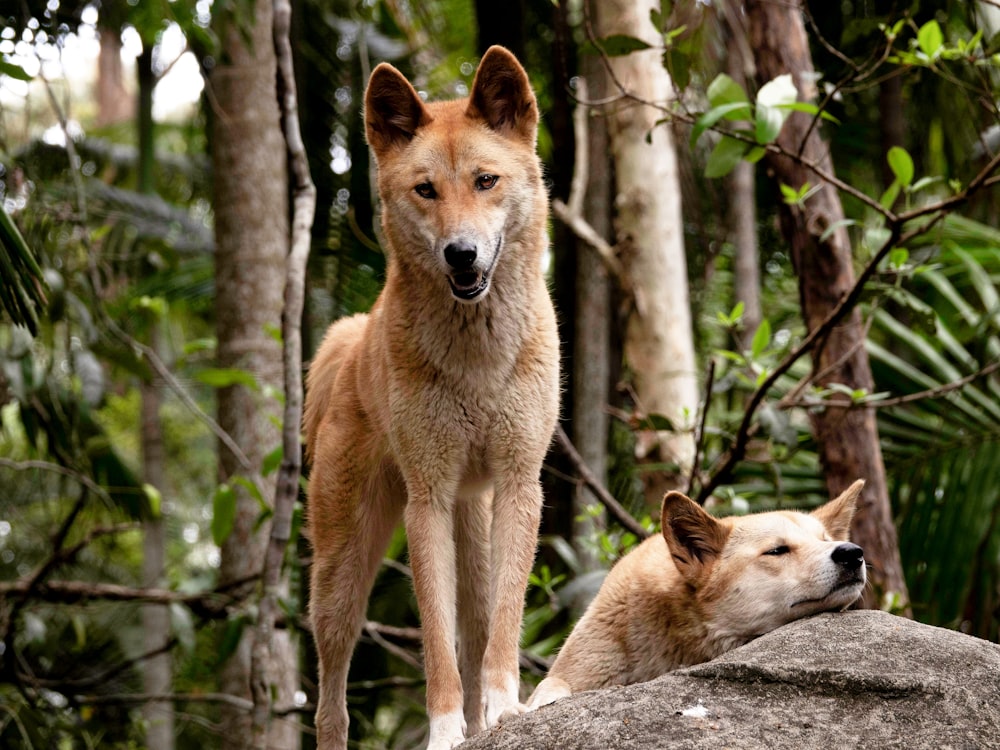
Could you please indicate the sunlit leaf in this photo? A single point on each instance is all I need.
(930, 38)
(901, 165)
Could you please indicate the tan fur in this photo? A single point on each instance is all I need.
(705, 586)
(438, 409)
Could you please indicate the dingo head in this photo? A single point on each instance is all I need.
(457, 179)
(752, 574)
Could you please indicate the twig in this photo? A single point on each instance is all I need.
(700, 433)
(132, 699)
(571, 212)
(930, 393)
(208, 604)
(65, 471)
(603, 496)
(286, 490)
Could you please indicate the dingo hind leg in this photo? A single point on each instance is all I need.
(352, 521)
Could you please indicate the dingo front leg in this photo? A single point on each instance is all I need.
(516, 513)
(430, 534)
(472, 540)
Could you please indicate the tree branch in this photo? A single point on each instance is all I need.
(286, 491)
(615, 508)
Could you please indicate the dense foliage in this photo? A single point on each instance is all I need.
(107, 287)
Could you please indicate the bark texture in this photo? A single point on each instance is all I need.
(592, 324)
(114, 104)
(659, 345)
(251, 237)
(848, 438)
(157, 675)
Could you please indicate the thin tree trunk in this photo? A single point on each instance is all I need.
(157, 677)
(592, 324)
(847, 438)
(659, 345)
(251, 233)
(114, 105)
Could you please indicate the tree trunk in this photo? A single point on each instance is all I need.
(157, 676)
(592, 323)
(743, 195)
(114, 105)
(659, 345)
(251, 236)
(847, 438)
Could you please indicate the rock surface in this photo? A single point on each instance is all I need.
(859, 679)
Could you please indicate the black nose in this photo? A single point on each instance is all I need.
(460, 256)
(849, 555)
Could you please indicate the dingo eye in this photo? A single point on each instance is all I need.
(486, 181)
(426, 190)
(781, 549)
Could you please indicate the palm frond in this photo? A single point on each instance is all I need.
(22, 287)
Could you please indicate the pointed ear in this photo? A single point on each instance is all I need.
(836, 515)
(393, 110)
(694, 537)
(502, 95)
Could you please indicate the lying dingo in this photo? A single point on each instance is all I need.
(706, 586)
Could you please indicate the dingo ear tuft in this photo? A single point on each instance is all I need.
(694, 537)
(393, 110)
(502, 95)
(836, 515)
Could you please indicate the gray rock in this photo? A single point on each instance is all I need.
(861, 679)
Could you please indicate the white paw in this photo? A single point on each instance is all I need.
(501, 703)
(548, 691)
(447, 731)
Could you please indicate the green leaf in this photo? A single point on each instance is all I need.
(810, 109)
(618, 45)
(724, 90)
(679, 65)
(726, 155)
(732, 110)
(231, 637)
(761, 338)
(930, 38)
(217, 377)
(898, 257)
(901, 165)
(834, 227)
(789, 194)
(155, 499)
(223, 513)
(890, 195)
(272, 461)
(14, 71)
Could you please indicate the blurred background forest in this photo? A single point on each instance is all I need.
(765, 291)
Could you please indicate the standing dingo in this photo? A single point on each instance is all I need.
(438, 406)
(705, 586)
